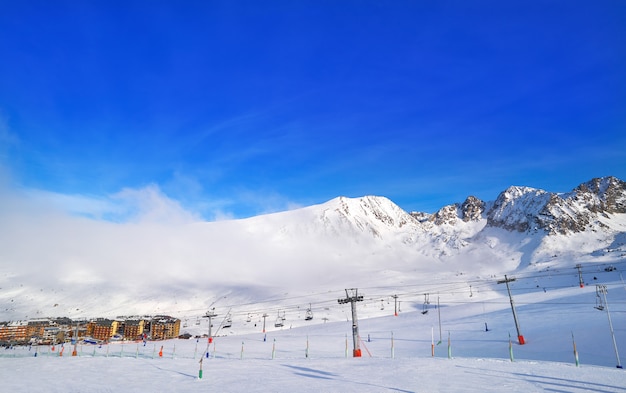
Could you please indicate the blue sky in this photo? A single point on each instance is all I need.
(232, 109)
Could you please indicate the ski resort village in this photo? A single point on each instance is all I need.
(62, 330)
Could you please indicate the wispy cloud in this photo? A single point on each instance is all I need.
(148, 204)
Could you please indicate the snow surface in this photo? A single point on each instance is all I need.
(396, 349)
(303, 375)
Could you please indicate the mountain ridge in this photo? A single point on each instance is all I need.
(345, 242)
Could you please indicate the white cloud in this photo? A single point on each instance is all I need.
(147, 204)
(150, 204)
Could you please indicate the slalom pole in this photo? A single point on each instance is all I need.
(432, 341)
(241, 357)
(439, 314)
(393, 355)
(200, 371)
(274, 349)
(575, 351)
(173, 350)
(306, 352)
(449, 346)
(346, 345)
(510, 347)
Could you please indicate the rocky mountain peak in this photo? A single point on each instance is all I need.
(605, 194)
(578, 210)
(472, 209)
(524, 208)
(516, 208)
(446, 215)
(379, 208)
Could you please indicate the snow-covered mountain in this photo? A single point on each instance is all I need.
(89, 268)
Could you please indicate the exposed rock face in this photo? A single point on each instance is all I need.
(472, 209)
(516, 208)
(581, 209)
(446, 215)
(603, 195)
(523, 208)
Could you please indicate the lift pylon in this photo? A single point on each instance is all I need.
(352, 296)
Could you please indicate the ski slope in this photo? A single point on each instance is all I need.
(308, 356)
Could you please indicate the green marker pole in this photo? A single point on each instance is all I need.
(200, 371)
(510, 348)
(575, 351)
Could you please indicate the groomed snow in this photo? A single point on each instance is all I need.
(316, 357)
(303, 375)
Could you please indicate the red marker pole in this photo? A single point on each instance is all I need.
(432, 341)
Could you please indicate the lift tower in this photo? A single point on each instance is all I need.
(506, 280)
(352, 296)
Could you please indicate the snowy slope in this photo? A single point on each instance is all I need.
(77, 267)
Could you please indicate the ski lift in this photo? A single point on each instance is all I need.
(599, 303)
(426, 303)
(228, 322)
(471, 293)
(309, 314)
(249, 318)
(382, 304)
(279, 321)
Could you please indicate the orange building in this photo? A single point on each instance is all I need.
(102, 329)
(14, 332)
(36, 328)
(163, 327)
(133, 329)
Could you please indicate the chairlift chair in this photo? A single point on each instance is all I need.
(599, 303)
(426, 303)
(309, 315)
(228, 322)
(279, 321)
